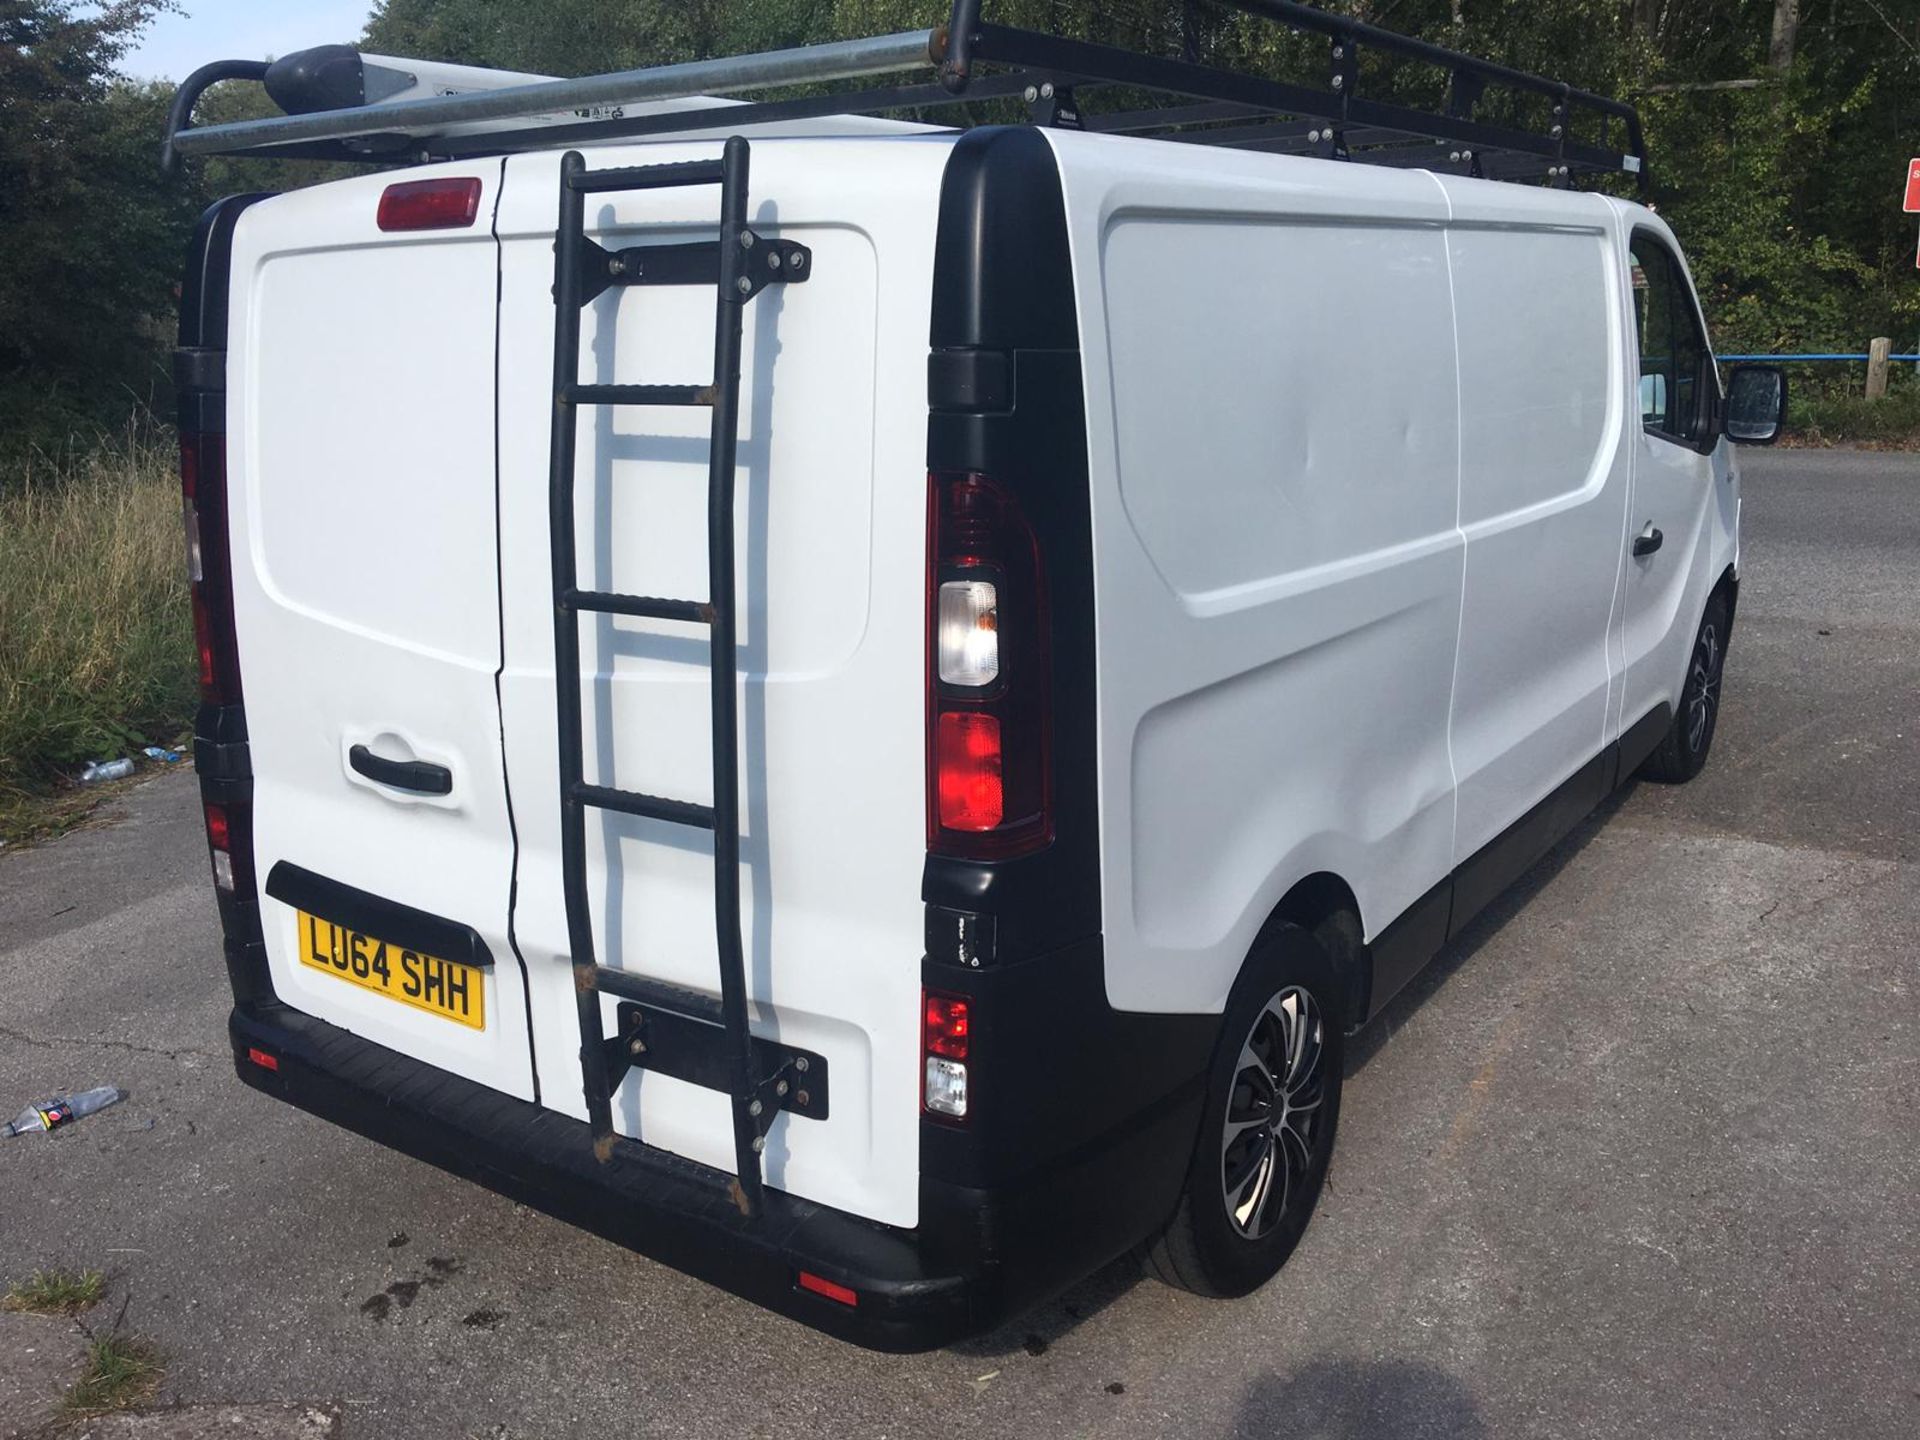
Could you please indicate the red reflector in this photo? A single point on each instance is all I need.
(263, 1059)
(448, 204)
(820, 1285)
(947, 1027)
(219, 832)
(967, 761)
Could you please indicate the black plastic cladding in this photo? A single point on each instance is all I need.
(1003, 286)
(219, 731)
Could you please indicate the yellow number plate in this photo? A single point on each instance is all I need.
(426, 982)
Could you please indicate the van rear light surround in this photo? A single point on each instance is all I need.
(445, 203)
(989, 723)
(219, 732)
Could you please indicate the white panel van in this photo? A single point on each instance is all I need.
(863, 707)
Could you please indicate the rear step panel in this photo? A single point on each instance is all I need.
(829, 516)
(361, 475)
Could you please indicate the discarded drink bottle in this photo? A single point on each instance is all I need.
(106, 770)
(65, 1109)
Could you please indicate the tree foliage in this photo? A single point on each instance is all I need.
(90, 239)
(1784, 189)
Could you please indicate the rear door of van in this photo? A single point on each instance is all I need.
(830, 515)
(361, 477)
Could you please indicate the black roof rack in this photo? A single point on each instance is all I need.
(1549, 131)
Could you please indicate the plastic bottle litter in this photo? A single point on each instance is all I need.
(65, 1109)
(106, 770)
(165, 757)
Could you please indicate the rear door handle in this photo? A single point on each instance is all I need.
(1646, 542)
(420, 776)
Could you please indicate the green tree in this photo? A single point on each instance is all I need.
(90, 236)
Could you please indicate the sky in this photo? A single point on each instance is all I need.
(240, 30)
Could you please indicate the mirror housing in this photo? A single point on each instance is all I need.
(1756, 404)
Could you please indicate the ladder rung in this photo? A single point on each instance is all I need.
(639, 394)
(651, 807)
(658, 994)
(650, 177)
(651, 607)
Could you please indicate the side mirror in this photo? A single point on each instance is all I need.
(1756, 404)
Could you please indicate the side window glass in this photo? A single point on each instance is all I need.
(1674, 380)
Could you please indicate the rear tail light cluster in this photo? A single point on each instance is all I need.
(988, 781)
(203, 491)
(946, 1040)
(230, 842)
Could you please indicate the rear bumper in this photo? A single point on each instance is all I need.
(978, 1256)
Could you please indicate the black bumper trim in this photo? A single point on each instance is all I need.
(663, 1206)
(978, 1257)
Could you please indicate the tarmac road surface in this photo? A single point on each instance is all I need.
(1640, 1157)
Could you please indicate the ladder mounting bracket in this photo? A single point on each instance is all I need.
(652, 1037)
(761, 262)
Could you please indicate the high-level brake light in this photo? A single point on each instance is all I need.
(448, 203)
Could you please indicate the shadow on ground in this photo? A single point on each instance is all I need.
(1359, 1400)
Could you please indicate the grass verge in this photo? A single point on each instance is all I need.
(1889, 423)
(55, 1292)
(122, 1371)
(96, 629)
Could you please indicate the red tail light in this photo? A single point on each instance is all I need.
(946, 1040)
(988, 714)
(230, 845)
(203, 493)
(948, 1026)
(448, 203)
(262, 1058)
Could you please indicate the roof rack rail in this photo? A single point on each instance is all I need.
(350, 110)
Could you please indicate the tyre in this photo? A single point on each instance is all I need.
(1267, 1127)
(1682, 752)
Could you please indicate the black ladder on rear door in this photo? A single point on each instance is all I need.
(762, 1078)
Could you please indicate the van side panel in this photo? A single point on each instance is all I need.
(1274, 455)
(1543, 485)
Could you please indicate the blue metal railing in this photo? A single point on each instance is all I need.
(1793, 359)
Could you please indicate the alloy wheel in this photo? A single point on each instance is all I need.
(1273, 1112)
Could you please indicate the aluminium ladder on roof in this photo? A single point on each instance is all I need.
(971, 59)
(761, 1078)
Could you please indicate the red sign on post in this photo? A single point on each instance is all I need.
(1912, 202)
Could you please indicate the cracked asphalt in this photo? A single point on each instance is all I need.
(1639, 1156)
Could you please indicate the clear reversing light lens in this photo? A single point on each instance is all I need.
(196, 567)
(969, 632)
(946, 1087)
